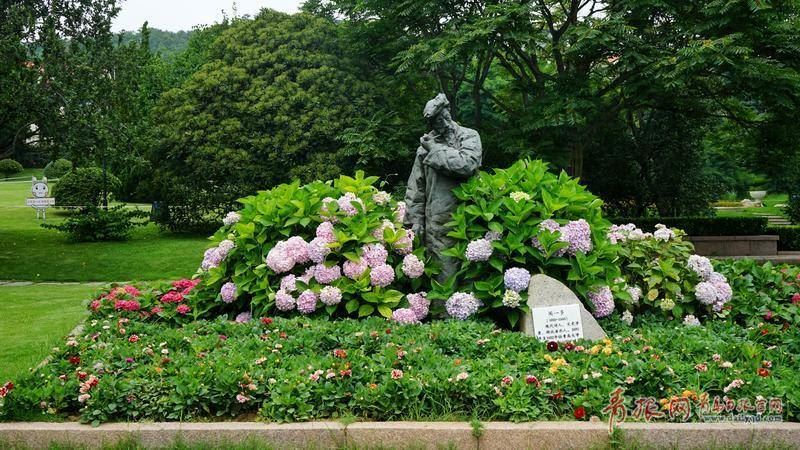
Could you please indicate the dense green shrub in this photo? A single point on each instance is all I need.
(335, 247)
(513, 204)
(193, 207)
(302, 369)
(703, 226)
(84, 187)
(57, 168)
(93, 224)
(9, 167)
(789, 237)
(793, 207)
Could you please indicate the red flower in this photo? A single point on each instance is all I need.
(266, 321)
(764, 332)
(172, 297)
(133, 339)
(796, 298)
(183, 309)
(569, 346)
(156, 310)
(388, 331)
(283, 335)
(530, 379)
(768, 315)
(346, 372)
(339, 353)
(762, 372)
(552, 346)
(579, 413)
(82, 375)
(556, 395)
(74, 360)
(222, 337)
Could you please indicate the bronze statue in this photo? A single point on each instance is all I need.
(447, 155)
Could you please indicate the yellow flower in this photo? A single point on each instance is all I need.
(607, 351)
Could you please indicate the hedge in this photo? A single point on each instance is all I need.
(790, 237)
(703, 226)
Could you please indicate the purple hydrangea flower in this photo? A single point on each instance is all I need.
(211, 259)
(307, 302)
(228, 292)
(381, 197)
(374, 254)
(224, 248)
(231, 218)
(327, 275)
(244, 317)
(578, 235)
(405, 316)
(700, 265)
(413, 267)
(462, 305)
(318, 249)
(325, 212)
(479, 250)
(419, 304)
(346, 203)
(603, 301)
(706, 293)
(517, 279)
(354, 270)
(550, 226)
(284, 301)
(278, 259)
(289, 283)
(405, 244)
(382, 275)
(297, 249)
(330, 295)
(308, 275)
(635, 293)
(325, 232)
(378, 233)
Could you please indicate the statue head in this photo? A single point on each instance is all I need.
(437, 113)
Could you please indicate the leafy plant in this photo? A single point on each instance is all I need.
(342, 243)
(9, 167)
(510, 206)
(57, 168)
(84, 187)
(93, 224)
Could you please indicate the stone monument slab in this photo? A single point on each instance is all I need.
(557, 313)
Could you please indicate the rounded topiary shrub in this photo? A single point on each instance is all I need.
(57, 168)
(522, 220)
(84, 187)
(9, 167)
(336, 249)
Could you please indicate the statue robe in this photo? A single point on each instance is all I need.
(429, 198)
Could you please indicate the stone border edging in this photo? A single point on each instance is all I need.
(493, 436)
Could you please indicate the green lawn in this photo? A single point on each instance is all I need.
(33, 319)
(29, 252)
(769, 208)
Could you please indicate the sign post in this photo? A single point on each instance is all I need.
(39, 199)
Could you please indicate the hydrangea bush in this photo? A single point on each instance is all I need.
(337, 247)
(663, 274)
(524, 219)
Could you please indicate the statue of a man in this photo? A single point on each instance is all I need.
(447, 155)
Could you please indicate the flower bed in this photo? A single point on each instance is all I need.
(302, 369)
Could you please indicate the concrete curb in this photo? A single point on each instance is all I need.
(429, 435)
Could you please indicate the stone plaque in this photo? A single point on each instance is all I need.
(547, 292)
(557, 323)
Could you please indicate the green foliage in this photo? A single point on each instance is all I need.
(789, 237)
(93, 224)
(286, 370)
(703, 226)
(485, 205)
(57, 168)
(165, 43)
(267, 108)
(766, 296)
(793, 207)
(84, 187)
(9, 167)
(292, 211)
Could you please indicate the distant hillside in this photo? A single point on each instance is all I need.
(167, 43)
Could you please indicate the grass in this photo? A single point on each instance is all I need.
(31, 253)
(32, 319)
(769, 208)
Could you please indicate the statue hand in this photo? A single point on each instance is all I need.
(426, 141)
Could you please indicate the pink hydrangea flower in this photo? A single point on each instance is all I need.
(327, 275)
(354, 270)
(462, 305)
(346, 204)
(307, 302)
(603, 301)
(183, 309)
(318, 249)
(284, 301)
(382, 275)
(400, 212)
(374, 254)
(279, 259)
(297, 249)
(405, 316)
(330, 295)
(413, 267)
(244, 317)
(420, 304)
(289, 283)
(479, 250)
(325, 232)
(228, 292)
(405, 244)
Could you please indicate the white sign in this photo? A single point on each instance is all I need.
(40, 202)
(557, 323)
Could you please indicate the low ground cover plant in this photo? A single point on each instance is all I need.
(303, 368)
